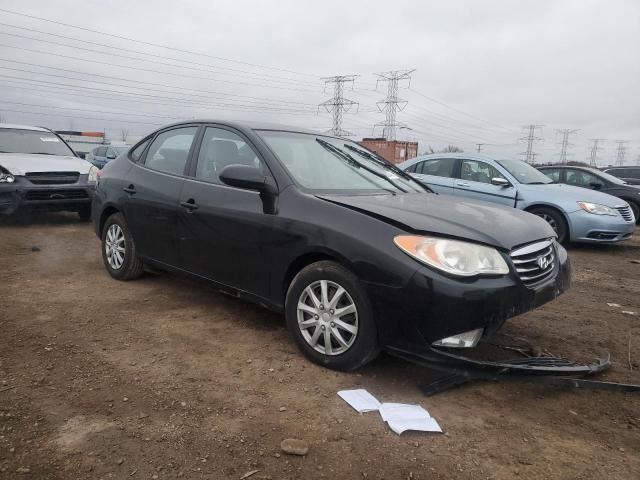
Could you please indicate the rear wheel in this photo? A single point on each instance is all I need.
(330, 317)
(556, 220)
(119, 250)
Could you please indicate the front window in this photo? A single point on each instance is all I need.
(32, 141)
(552, 173)
(476, 171)
(330, 165)
(525, 173)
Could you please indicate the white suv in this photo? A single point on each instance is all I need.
(39, 170)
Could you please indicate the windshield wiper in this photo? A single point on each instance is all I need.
(352, 161)
(382, 163)
(539, 183)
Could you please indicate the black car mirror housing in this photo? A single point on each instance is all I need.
(251, 178)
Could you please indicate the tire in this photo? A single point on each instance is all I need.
(85, 214)
(121, 265)
(357, 340)
(554, 218)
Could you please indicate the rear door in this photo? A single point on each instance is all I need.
(222, 228)
(153, 189)
(475, 182)
(438, 173)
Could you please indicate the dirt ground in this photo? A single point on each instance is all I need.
(164, 378)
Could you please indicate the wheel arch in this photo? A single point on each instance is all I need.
(106, 213)
(307, 259)
(535, 206)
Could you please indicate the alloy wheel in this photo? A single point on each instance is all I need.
(327, 317)
(114, 246)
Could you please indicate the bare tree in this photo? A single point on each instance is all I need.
(125, 133)
(447, 149)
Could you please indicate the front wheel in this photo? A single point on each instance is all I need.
(119, 250)
(330, 317)
(556, 220)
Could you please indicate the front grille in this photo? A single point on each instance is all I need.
(48, 195)
(52, 178)
(626, 213)
(534, 262)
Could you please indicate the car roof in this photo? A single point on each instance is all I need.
(13, 126)
(249, 125)
(620, 167)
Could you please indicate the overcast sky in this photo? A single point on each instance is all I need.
(483, 69)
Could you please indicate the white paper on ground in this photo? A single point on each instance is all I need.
(402, 417)
(360, 400)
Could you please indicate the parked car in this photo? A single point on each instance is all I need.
(576, 214)
(629, 174)
(99, 156)
(596, 180)
(357, 254)
(39, 170)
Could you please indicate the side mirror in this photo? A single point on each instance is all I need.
(111, 156)
(81, 155)
(596, 185)
(500, 182)
(249, 178)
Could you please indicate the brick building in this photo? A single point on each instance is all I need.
(395, 151)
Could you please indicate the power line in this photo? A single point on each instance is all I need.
(593, 152)
(564, 145)
(458, 110)
(392, 104)
(252, 76)
(338, 104)
(157, 45)
(531, 138)
(621, 152)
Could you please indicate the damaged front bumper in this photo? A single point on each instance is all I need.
(436, 309)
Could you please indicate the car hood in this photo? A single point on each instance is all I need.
(21, 163)
(487, 223)
(568, 195)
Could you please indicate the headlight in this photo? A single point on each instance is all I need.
(5, 176)
(93, 174)
(463, 259)
(597, 209)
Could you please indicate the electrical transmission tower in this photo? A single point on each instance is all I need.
(338, 104)
(392, 104)
(530, 155)
(621, 152)
(593, 152)
(564, 145)
(479, 147)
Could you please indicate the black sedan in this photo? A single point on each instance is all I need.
(629, 174)
(357, 254)
(596, 180)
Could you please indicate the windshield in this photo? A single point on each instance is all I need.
(332, 165)
(608, 177)
(30, 141)
(525, 173)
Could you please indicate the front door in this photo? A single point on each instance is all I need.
(153, 191)
(475, 182)
(222, 228)
(437, 173)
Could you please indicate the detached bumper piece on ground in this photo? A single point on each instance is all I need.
(461, 370)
